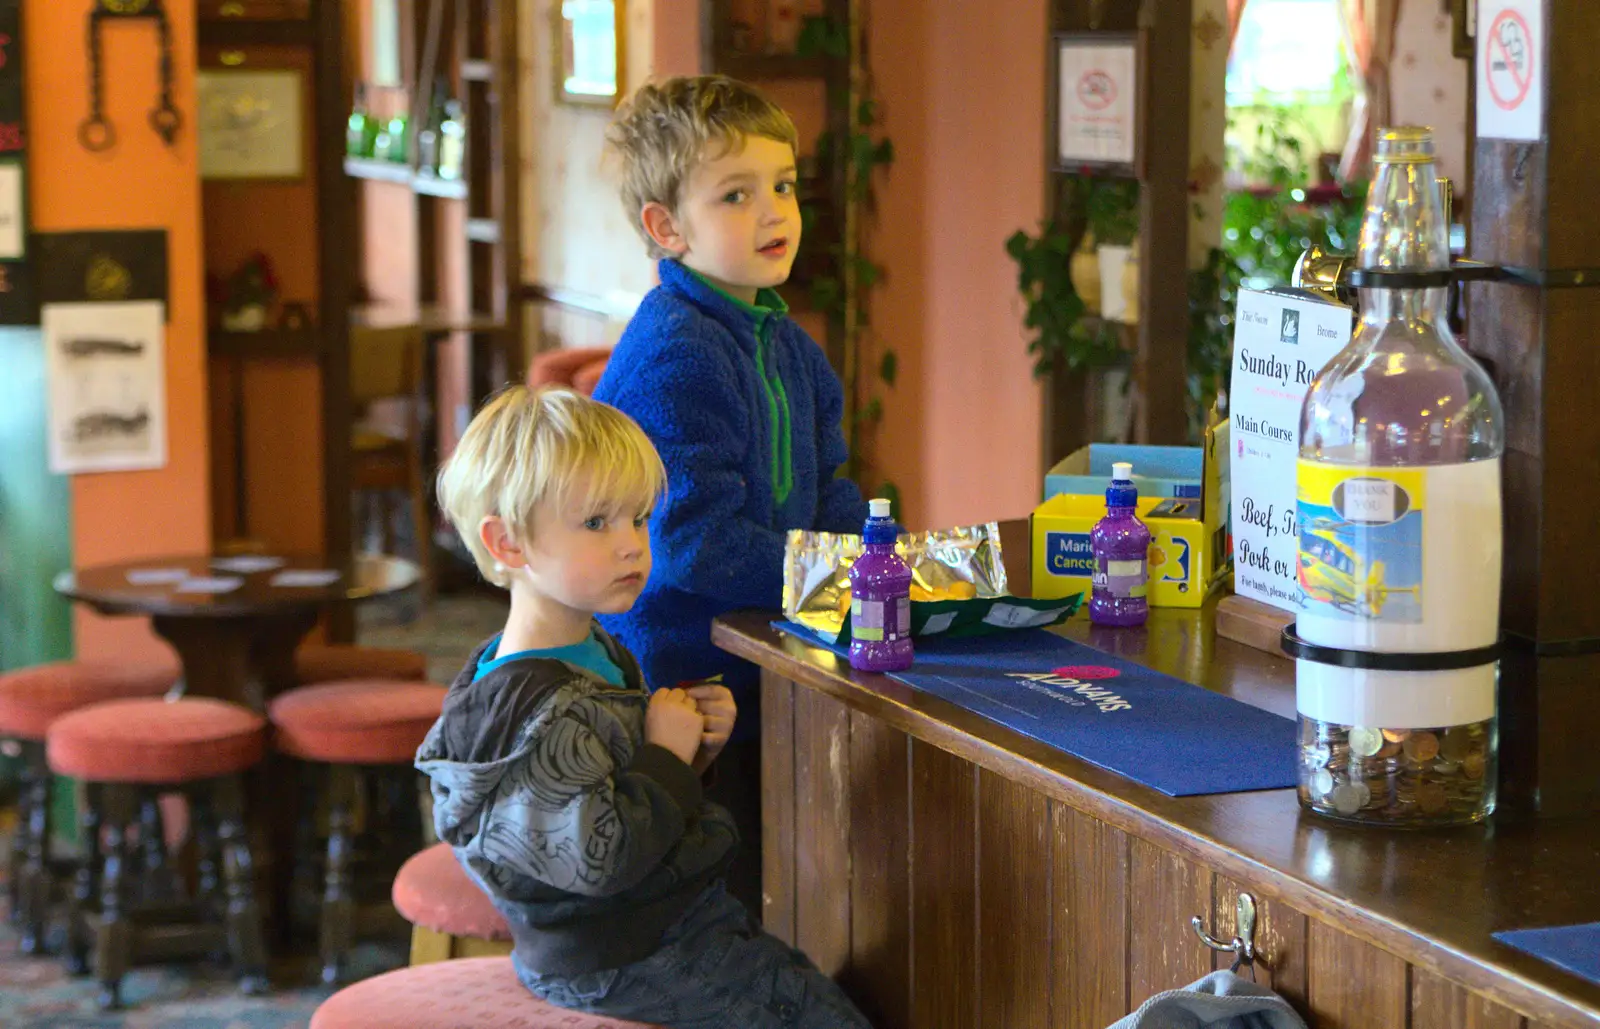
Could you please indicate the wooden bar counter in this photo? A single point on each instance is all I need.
(953, 873)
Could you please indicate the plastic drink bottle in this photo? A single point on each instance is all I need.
(1121, 546)
(880, 598)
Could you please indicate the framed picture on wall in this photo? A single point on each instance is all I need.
(1097, 101)
(251, 123)
(590, 51)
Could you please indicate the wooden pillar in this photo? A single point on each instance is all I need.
(1160, 366)
(1533, 210)
(1160, 363)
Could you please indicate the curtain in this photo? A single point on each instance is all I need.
(1235, 14)
(1369, 31)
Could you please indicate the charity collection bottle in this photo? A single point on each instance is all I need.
(1399, 522)
(1120, 544)
(880, 598)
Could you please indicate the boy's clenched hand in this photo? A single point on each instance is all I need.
(716, 704)
(673, 721)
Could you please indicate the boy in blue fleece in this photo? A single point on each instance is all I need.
(569, 790)
(741, 404)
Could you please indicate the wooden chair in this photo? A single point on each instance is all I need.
(386, 440)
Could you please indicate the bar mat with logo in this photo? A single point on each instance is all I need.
(1571, 948)
(1161, 732)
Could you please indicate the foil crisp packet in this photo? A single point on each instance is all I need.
(946, 564)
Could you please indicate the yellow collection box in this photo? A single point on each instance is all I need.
(1191, 550)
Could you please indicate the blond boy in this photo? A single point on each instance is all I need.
(741, 403)
(569, 791)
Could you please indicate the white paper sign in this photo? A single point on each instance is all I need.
(1280, 342)
(1510, 69)
(108, 397)
(1095, 116)
(13, 220)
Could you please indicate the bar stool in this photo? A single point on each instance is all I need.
(463, 994)
(198, 746)
(327, 662)
(450, 915)
(31, 699)
(349, 726)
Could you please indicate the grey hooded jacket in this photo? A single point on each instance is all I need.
(590, 841)
(1219, 1001)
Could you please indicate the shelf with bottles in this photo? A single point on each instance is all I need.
(239, 23)
(379, 148)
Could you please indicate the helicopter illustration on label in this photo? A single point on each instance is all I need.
(1332, 572)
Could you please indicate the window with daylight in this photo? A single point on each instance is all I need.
(1289, 85)
(1288, 52)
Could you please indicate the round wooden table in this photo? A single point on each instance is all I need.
(235, 621)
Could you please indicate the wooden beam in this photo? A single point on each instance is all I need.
(1161, 363)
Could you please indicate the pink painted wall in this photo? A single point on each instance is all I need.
(962, 88)
(676, 28)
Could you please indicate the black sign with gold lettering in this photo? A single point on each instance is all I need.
(89, 267)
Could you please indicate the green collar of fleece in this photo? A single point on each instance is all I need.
(767, 309)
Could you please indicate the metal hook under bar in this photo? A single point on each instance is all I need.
(1243, 944)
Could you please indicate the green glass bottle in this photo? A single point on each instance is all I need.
(396, 133)
(362, 132)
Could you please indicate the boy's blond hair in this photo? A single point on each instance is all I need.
(527, 447)
(666, 129)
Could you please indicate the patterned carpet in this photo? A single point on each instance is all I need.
(447, 631)
(35, 993)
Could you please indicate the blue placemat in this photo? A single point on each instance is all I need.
(1165, 733)
(1573, 948)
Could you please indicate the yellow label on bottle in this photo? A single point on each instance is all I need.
(1360, 541)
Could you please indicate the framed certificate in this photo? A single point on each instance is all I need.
(251, 123)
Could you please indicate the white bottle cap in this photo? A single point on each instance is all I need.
(1122, 471)
(877, 508)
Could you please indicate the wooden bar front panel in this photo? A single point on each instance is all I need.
(947, 896)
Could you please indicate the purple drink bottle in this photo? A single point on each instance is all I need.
(880, 598)
(1121, 546)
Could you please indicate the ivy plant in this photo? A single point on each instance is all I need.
(864, 151)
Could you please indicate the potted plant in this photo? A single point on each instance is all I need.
(1113, 215)
(248, 294)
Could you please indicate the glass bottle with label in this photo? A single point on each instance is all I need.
(1399, 554)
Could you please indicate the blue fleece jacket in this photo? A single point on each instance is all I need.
(745, 411)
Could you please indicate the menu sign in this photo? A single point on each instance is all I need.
(1281, 340)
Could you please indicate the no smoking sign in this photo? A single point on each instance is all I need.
(1510, 69)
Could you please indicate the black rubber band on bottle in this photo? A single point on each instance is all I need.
(1370, 660)
(1373, 278)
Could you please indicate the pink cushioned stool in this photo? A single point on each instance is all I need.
(346, 726)
(450, 916)
(473, 993)
(326, 662)
(126, 750)
(30, 700)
